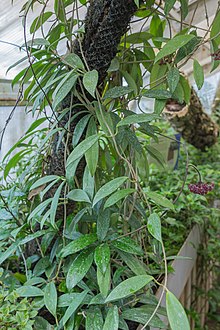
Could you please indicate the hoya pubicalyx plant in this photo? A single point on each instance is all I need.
(84, 237)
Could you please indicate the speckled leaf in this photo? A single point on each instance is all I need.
(159, 94)
(129, 287)
(139, 118)
(81, 149)
(172, 45)
(104, 281)
(73, 306)
(64, 88)
(79, 268)
(215, 29)
(29, 291)
(109, 188)
(44, 180)
(73, 60)
(50, 298)
(173, 78)
(168, 6)
(176, 314)
(117, 91)
(160, 200)
(94, 319)
(112, 319)
(117, 196)
(154, 226)
(198, 74)
(127, 244)
(78, 195)
(136, 265)
(102, 257)
(78, 245)
(90, 80)
(142, 315)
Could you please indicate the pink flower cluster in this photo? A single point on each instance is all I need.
(216, 55)
(201, 188)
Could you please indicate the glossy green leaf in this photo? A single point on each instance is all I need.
(142, 315)
(50, 298)
(178, 94)
(131, 82)
(137, 37)
(176, 314)
(42, 324)
(94, 319)
(158, 75)
(64, 87)
(117, 196)
(154, 226)
(88, 183)
(160, 200)
(59, 11)
(168, 6)
(79, 129)
(136, 265)
(112, 319)
(139, 118)
(122, 324)
(103, 222)
(156, 155)
(54, 204)
(184, 8)
(105, 120)
(187, 49)
(173, 78)
(173, 45)
(79, 268)
(157, 26)
(78, 195)
(31, 237)
(159, 94)
(37, 42)
(117, 91)
(215, 29)
(74, 61)
(108, 188)
(71, 171)
(92, 155)
(40, 208)
(198, 74)
(114, 66)
(78, 244)
(127, 244)
(14, 161)
(102, 257)
(39, 21)
(104, 281)
(81, 148)
(8, 253)
(74, 306)
(129, 287)
(90, 81)
(41, 266)
(186, 88)
(29, 291)
(159, 105)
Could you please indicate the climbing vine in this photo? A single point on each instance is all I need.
(82, 230)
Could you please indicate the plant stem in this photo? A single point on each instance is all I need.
(196, 169)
